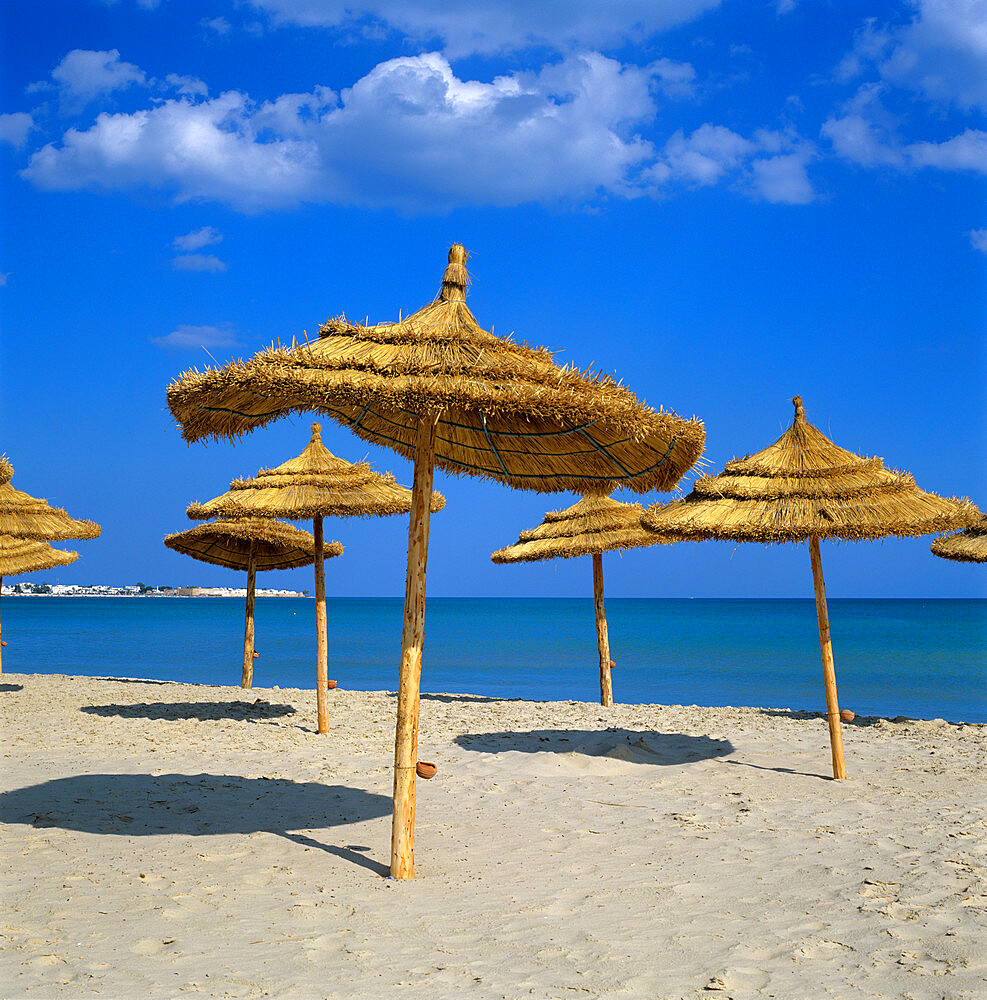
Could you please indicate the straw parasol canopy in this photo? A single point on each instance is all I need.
(589, 528)
(22, 555)
(965, 546)
(314, 485)
(251, 544)
(439, 389)
(25, 516)
(805, 487)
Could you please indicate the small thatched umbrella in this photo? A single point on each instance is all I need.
(314, 485)
(805, 487)
(439, 389)
(22, 555)
(251, 544)
(589, 528)
(24, 516)
(969, 545)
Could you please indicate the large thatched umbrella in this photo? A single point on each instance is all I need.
(442, 391)
(969, 545)
(589, 528)
(314, 485)
(24, 516)
(22, 555)
(251, 544)
(805, 487)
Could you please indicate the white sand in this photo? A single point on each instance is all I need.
(163, 840)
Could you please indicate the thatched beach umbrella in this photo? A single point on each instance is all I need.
(589, 528)
(969, 545)
(442, 391)
(251, 544)
(314, 485)
(24, 516)
(22, 555)
(805, 487)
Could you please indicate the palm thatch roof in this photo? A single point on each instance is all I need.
(965, 546)
(507, 411)
(228, 543)
(25, 516)
(6, 470)
(22, 555)
(595, 524)
(315, 484)
(805, 486)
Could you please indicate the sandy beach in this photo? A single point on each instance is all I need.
(164, 840)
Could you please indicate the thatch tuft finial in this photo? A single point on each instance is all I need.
(456, 278)
(799, 410)
(316, 432)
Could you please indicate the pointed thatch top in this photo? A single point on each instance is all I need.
(506, 411)
(227, 543)
(315, 484)
(6, 470)
(595, 524)
(21, 555)
(964, 546)
(24, 516)
(805, 485)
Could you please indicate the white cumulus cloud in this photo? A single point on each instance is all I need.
(501, 26)
(186, 336)
(85, 75)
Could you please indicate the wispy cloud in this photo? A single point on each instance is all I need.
(185, 337)
(198, 262)
(3, 279)
(978, 240)
(84, 75)
(197, 239)
(15, 127)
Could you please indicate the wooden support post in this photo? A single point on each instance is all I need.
(1, 634)
(829, 671)
(602, 639)
(248, 619)
(321, 642)
(412, 639)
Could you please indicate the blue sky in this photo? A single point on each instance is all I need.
(722, 203)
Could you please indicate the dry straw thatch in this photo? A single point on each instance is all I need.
(507, 412)
(22, 555)
(315, 484)
(229, 543)
(6, 470)
(590, 527)
(805, 487)
(25, 516)
(251, 544)
(965, 546)
(439, 389)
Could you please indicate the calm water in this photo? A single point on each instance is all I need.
(922, 658)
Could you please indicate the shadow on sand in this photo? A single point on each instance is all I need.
(626, 744)
(203, 710)
(11, 687)
(141, 805)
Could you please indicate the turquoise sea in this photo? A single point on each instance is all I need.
(919, 658)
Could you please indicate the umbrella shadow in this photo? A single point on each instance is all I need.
(643, 747)
(203, 710)
(463, 697)
(11, 687)
(144, 805)
(862, 721)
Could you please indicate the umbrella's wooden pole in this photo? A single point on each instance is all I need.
(602, 639)
(829, 671)
(1, 634)
(412, 638)
(248, 619)
(321, 643)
